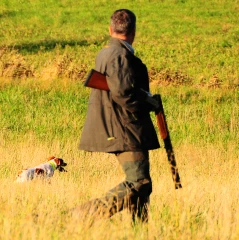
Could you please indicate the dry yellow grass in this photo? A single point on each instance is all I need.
(206, 208)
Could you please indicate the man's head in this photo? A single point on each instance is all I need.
(123, 24)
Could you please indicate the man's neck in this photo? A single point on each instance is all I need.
(127, 39)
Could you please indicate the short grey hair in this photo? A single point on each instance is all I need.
(123, 21)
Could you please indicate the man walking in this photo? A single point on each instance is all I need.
(118, 122)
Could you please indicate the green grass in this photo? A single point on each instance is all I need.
(194, 42)
(202, 115)
(57, 109)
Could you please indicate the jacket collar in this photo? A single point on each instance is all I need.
(128, 46)
(117, 41)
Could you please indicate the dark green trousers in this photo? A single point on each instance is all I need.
(131, 194)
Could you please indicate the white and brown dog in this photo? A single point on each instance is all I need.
(44, 170)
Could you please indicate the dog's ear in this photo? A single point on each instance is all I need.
(60, 162)
(50, 158)
(39, 171)
(57, 161)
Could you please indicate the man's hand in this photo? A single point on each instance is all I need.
(153, 100)
(156, 98)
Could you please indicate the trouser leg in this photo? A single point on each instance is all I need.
(136, 167)
(132, 194)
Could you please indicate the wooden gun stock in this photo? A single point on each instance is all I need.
(98, 81)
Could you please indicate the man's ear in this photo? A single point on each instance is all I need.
(133, 33)
(110, 30)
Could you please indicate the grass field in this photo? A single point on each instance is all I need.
(182, 42)
(206, 207)
(191, 50)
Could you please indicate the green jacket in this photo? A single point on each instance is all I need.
(119, 120)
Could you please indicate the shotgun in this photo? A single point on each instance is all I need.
(97, 80)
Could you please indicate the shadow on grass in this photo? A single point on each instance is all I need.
(48, 45)
(6, 13)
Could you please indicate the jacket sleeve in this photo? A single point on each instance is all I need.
(122, 82)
